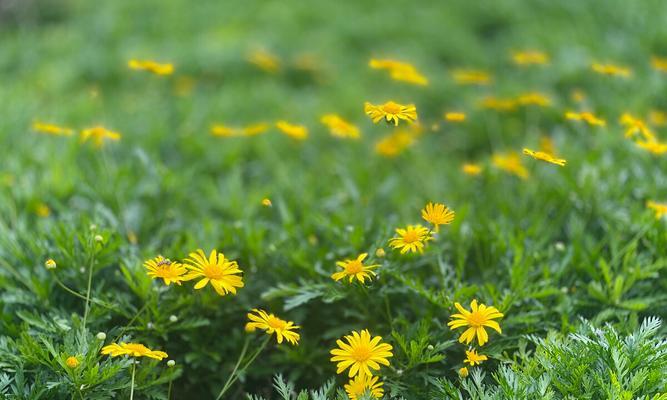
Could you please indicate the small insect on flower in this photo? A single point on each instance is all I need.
(360, 385)
(132, 350)
(98, 135)
(453, 116)
(471, 169)
(530, 57)
(272, 324)
(542, 156)
(51, 129)
(361, 354)
(355, 269)
(264, 60)
(151, 66)
(50, 264)
(660, 209)
(611, 69)
(165, 269)
(223, 274)
(338, 127)
(473, 358)
(510, 163)
(411, 239)
(298, 132)
(481, 316)
(471, 77)
(72, 362)
(391, 112)
(266, 202)
(438, 214)
(585, 116)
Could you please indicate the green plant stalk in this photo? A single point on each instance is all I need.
(90, 281)
(234, 375)
(134, 369)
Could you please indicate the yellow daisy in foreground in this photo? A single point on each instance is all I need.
(272, 324)
(391, 112)
(542, 156)
(298, 132)
(169, 271)
(471, 169)
(473, 358)
(355, 269)
(585, 116)
(361, 385)
(361, 354)
(511, 163)
(132, 350)
(659, 208)
(223, 274)
(438, 214)
(413, 238)
(611, 69)
(51, 129)
(99, 135)
(151, 66)
(339, 127)
(475, 320)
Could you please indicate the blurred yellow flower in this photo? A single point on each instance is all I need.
(578, 95)
(51, 129)
(394, 143)
(42, 210)
(223, 131)
(471, 169)
(476, 320)
(355, 269)
(494, 103)
(660, 209)
(264, 60)
(437, 214)
(361, 354)
(473, 358)
(471, 77)
(454, 116)
(249, 130)
(391, 111)
(652, 146)
(98, 135)
(635, 126)
(400, 71)
(361, 384)
(547, 145)
(659, 63)
(511, 163)
(72, 362)
(298, 132)
(151, 66)
(533, 98)
(542, 156)
(611, 69)
(165, 269)
(50, 264)
(530, 57)
(266, 202)
(657, 117)
(411, 239)
(339, 127)
(223, 274)
(272, 324)
(585, 116)
(254, 129)
(380, 252)
(132, 350)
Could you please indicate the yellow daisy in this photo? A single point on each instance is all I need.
(51, 129)
(652, 146)
(611, 69)
(223, 274)
(463, 372)
(533, 98)
(98, 135)
(132, 350)
(636, 126)
(471, 77)
(272, 324)
(394, 143)
(298, 132)
(471, 169)
(359, 385)
(391, 111)
(542, 156)
(511, 163)
(361, 354)
(475, 320)
(339, 127)
(412, 238)
(438, 214)
(530, 57)
(355, 269)
(264, 60)
(585, 116)
(473, 358)
(151, 66)
(169, 271)
(454, 116)
(659, 208)
(498, 104)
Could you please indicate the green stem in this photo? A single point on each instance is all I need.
(90, 281)
(79, 295)
(134, 368)
(234, 375)
(169, 390)
(142, 309)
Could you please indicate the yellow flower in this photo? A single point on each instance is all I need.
(132, 350)
(151, 66)
(400, 71)
(391, 111)
(51, 129)
(473, 358)
(298, 132)
(635, 126)
(380, 252)
(42, 210)
(471, 169)
(361, 354)
(657, 117)
(339, 127)
(494, 103)
(471, 77)
(475, 320)
(659, 63)
(222, 273)
(585, 116)
(364, 384)
(98, 135)
(355, 269)
(438, 214)
(578, 95)
(249, 130)
(511, 163)
(652, 146)
(547, 145)
(272, 324)
(463, 372)
(530, 57)
(610, 69)
(169, 271)
(659, 208)
(72, 362)
(266, 202)
(412, 238)
(223, 131)
(394, 144)
(254, 129)
(454, 116)
(264, 60)
(533, 98)
(542, 156)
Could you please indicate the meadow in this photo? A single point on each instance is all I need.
(298, 200)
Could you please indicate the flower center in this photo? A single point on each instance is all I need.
(276, 323)
(212, 271)
(391, 108)
(411, 237)
(166, 272)
(361, 353)
(476, 319)
(353, 267)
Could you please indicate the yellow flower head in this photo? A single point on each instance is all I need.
(578, 95)
(394, 143)
(652, 146)
(98, 135)
(51, 129)
(542, 156)
(266, 202)
(254, 129)
(42, 210)
(391, 112)
(249, 130)
(355, 269)
(611, 69)
(132, 350)
(413, 238)
(272, 324)
(635, 126)
(659, 63)
(463, 372)
(585, 116)
(169, 271)
(454, 116)
(223, 131)
(530, 57)
(533, 98)
(264, 60)
(437, 214)
(151, 66)
(471, 169)
(400, 71)
(361, 384)
(223, 274)
(475, 320)
(659, 208)
(298, 132)
(473, 358)
(471, 77)
(511, 163)
(361, 354)
(503, 105)
(339, 127)
(72, 362)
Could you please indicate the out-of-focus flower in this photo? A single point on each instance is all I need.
(473, 358)
(339, 127)
(42, 210)
(578, 95)
(533, 98)
(611, 69)
(72, 362)
(510, 162)
(547, 145)
(471, 169)
(248, 130)
(400, 71)
(394, 143)
(659, 63)
(298, 132)
(494, 103)
(391, 112)
(542, 156)
(657, 117)
(151, 66)
(636, 126)
(463, 372)
(51, 129)
(660, 209)
(361, 384)
(264, 60)
(98, 135)
(266, 202)
(453, 116)
(50, 264)
(471, 77)
(530, 57)
(585, 116)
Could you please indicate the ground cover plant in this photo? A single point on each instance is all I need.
(333, 200)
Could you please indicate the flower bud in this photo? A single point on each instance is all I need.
(50, 264)
(101, 336)
(72, 362)
(173, 318)
(171, 363)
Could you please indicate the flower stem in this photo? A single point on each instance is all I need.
(142, 309)
(90, 281)
(234, 375)
(134, 369)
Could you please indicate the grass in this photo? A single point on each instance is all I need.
(566, 254)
